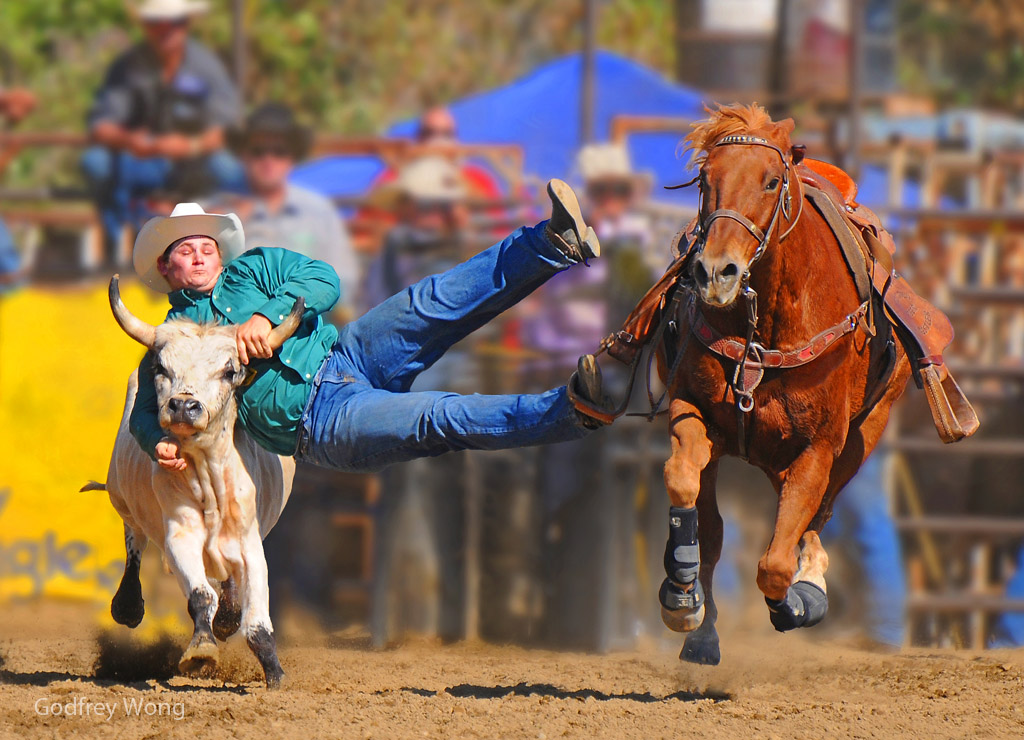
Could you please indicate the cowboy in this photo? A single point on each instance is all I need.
(341, 399)
(276, 212)
(158, 120)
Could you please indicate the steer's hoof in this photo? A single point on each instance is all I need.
(127, 609)
(804, 605)
(274, 677)
(226, 622)
(681, 610)
(200, 659)
(701, 647)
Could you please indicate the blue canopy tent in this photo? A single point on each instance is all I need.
(541, 113)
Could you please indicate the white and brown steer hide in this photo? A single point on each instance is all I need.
(210, 518)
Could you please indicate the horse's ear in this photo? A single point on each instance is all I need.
(797, 152)
(785, 126)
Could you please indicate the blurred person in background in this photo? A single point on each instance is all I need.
(275, 212)
(427, 200)
(158, 120)
(15, 104)
(437, 134)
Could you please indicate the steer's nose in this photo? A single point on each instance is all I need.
(185, 408)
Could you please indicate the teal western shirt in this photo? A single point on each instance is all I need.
(265, 281)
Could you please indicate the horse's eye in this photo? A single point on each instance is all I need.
(773, 183)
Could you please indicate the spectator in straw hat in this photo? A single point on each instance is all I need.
(427, 200)
(158, 120)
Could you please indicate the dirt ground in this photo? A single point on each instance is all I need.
(768, 686)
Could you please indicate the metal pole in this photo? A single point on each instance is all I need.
(587, 82)
(856, 72)
(238, 45)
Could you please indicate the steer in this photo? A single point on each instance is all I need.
(210, 518)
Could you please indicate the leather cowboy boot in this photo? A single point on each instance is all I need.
(587, 394)
(566, 230)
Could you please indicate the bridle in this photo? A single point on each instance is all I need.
(783, 204)
(751, 353)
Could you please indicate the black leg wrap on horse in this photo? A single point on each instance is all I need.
(804, 605)
(682, 553)
(674, 597)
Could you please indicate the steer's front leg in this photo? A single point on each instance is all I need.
(681, 594)
(256, 626)
(184, 547)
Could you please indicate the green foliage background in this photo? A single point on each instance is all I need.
(351, 66)
(355, 66)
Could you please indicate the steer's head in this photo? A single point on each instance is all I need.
(195, 366)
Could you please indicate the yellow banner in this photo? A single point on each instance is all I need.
(64, 365)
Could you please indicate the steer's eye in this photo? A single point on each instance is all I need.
(772, 184)
(159, 369)
(229, 372)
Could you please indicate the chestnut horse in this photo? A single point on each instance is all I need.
(768, 276)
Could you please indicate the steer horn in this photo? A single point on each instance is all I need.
(136, 328)
(287, 327)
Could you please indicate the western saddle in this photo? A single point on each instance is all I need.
(922, 329)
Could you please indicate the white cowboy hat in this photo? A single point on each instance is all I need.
(426, 179)
(604, 162)
(187, 219)
(170, 10)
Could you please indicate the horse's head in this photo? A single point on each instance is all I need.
(747, 193)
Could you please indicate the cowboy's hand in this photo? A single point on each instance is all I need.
(253, 338)
(168, 454)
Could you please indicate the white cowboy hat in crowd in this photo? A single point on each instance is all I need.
(604, 162)
(432, 179)
(187, 219)
(170, 10)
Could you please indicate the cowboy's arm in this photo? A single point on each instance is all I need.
(143, 422)
(283, 276)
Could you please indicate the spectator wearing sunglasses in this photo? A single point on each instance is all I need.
(278, 213)
(158, 120)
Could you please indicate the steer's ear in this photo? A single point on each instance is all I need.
(287, 327)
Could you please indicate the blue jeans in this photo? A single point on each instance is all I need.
(361, 416)
(117, 179)
(861, 516)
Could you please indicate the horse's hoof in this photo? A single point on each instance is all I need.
(200, 659)
(681, 610)
(804, 605)
(701, 648)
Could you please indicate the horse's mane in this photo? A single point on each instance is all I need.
(725, 121)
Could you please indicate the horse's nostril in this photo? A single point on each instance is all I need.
(730, 270)
(700, 273)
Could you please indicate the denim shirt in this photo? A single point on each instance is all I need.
(263, 281)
